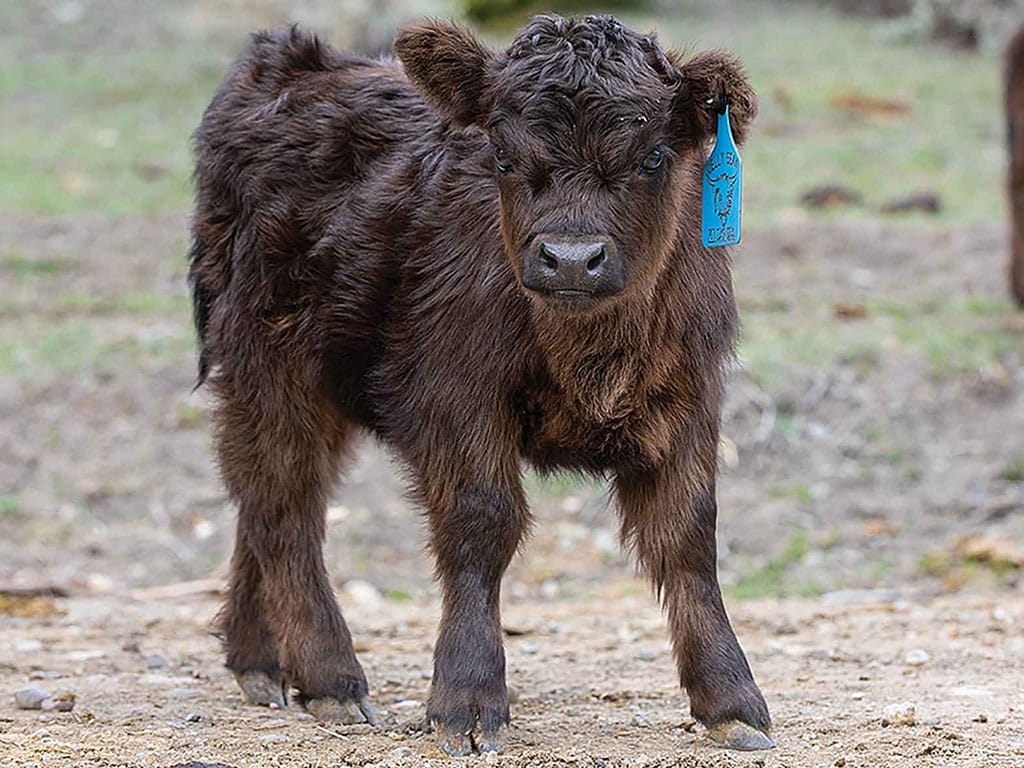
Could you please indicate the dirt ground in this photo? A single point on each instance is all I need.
(593, 680)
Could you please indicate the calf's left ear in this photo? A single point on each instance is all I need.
(449, 66)
(708, 81)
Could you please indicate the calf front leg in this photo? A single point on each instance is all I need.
(669, 516)
(475, 531)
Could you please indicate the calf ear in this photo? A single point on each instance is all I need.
(709, 81)
(449, 66)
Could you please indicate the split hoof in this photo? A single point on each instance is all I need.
(740, 736)
(262, 689)
(347, 712)
(465, 744)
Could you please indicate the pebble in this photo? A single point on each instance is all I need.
(193, 717)
(273, 737)
(363, 593)
(185, 693)
(640, 720)
(156, 661)
(31, 697)
(64, 701)
(899, 714)
(917, 657)
(528, 649)
(646, 654)
(401, 753)
(27, 646)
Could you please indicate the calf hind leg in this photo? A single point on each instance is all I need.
(251, 649)
(281, 623)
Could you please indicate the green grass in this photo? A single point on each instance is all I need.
(955, 336)
(797, 491)
(69, 346)
(24, 268)
(104, 130)
(561, 484)
(10, 506)
(139, 303)
(1013, 471)
(773, 578)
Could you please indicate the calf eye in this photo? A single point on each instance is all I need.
(502, 162)
(653, 162)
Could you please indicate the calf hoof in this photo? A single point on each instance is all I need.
(262, 689)
(462, 744)
(346, 711)
(735, 734)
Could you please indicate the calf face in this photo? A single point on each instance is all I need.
(592, 130)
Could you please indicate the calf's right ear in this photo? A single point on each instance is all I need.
(449, 66)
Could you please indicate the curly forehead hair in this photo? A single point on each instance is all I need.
(584, 52)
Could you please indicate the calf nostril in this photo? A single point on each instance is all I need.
(547, 258)
(597, 260)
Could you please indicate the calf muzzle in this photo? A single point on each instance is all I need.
(573, 270)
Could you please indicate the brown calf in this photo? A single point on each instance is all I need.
(482, 258)
(1015, 137)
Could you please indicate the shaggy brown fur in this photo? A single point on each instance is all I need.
(356, 265)
(1015, 137)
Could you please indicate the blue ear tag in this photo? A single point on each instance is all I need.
(723, 188)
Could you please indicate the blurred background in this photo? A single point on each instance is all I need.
(874, 434)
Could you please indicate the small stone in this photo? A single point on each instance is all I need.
(528, 649)
(363, 593)
(193, 717)
(185, 693)
(401, 753)
(646, 654)
(640, 720)
(917, 657)
(156, 661)
(64, 701)
(840, 762)
(549, 589)
(899, 714)
(31, 697)
(857, 696)
(27, 646)
(981, 718)
(273, 737)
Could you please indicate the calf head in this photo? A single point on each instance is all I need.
(596, 142)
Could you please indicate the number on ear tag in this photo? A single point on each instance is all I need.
(723, 188)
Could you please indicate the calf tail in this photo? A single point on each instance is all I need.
(1015, 145)
(202, 301)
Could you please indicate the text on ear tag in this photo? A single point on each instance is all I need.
(723, 187)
